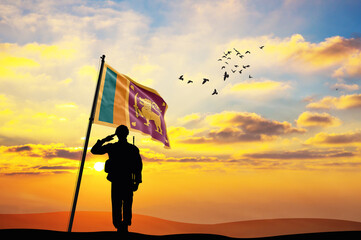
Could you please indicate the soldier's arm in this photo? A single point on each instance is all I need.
(98, 147)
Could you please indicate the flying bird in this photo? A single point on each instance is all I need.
(244, 66)
(181, 78)
(247, 52)
(226, 75)
(223, 67)
(233, 71)
(229, 58)
(226, 62)
(241, 56)
(236, 66)
(215, 92)
(220, 59)
(229, 52)
(205, 80)
(250, 76)
(261, 47)
(190, 81)
(240, 72)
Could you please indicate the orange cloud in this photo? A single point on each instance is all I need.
(342, 102)
(253, 123)
(313, 119)
(45, 151)
(38, 159)
(190, 119)
(242, 127)
(267, 85)
(330, 51)
(336, 53)
(350, 68)
(349, 138)
(301, 154)
(259, 89)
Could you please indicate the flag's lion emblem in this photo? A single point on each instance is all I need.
(146, 111)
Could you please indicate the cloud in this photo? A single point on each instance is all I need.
(313, 119)
(39, 159)
(344, 86)
(58, 168)
(45, 151)
(301, 154)
(253, 85)
(342, 102)
(351, 68)
(149, 155)
(352, 165)
(229, 134)
(182, 132)
(196, 140)
(332, 52)
(19, 148)
(41, 111)
(252, 123)
(204, 16)
(349, 138)
(232, 127)
(50, 20)
(66, 105)
(56, 58)
(63, 153)
(21, 173)
(190, 119)
(303, 159)
(259, 89)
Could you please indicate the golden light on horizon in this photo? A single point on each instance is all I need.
(285, 124)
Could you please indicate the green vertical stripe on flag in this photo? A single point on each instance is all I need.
(107, 103)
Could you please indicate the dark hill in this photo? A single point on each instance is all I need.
(102, 221)
(48, 234)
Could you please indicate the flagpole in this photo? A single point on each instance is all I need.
(91, 119)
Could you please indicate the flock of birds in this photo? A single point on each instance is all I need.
(226, 66)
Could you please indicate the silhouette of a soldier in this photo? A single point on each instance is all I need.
(124, 168)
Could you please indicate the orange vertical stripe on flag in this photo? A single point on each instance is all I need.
(121, 101)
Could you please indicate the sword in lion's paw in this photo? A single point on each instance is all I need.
(136, 106)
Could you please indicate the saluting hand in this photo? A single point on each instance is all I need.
(109, 138)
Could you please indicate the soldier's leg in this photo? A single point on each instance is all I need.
(127, 208)
(116, 205)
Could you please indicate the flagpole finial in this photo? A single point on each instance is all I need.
(102, 57)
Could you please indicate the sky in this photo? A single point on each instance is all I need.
(285, 143)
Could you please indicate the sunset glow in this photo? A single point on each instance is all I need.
(281, 139)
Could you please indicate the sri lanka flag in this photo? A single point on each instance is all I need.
(122, 101)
